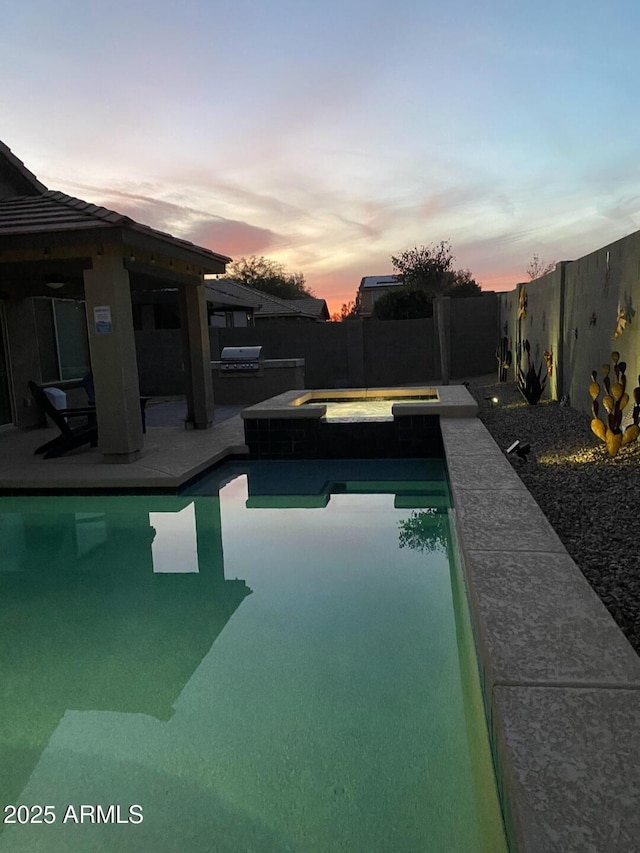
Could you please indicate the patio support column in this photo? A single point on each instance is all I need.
(113, 358)
(197, 355)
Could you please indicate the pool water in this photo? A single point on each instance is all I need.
(277, 660)
(371, 408)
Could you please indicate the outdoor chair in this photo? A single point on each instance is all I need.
(70, 436)
(89, 389)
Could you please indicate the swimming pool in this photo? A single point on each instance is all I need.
(278, 659)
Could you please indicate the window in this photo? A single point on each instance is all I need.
(63, 346)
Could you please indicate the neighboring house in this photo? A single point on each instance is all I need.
(225, 293)
(229, 305)
(372, 287)
(160, 309)
(68, 270)
(311, 307)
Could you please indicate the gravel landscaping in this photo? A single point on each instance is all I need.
(591, 500)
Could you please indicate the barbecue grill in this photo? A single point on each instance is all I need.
(241, 360)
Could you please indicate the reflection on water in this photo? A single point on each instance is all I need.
(175, 545)
(424, 531)
(325, 713)
(87, 621)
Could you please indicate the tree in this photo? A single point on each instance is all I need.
(426, 268)
(403, 304)
(536, 267)
(426, 272)
(349, 311)
(424, 531)
(268, 276)
(464, 285)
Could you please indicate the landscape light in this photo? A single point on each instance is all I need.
(521, 450)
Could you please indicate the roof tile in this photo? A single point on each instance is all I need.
(55, 212)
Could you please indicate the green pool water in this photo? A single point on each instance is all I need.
(277, 660)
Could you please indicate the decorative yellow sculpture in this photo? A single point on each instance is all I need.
(613, 402)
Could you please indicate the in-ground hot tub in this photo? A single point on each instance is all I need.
(344, 423)
(368, 403)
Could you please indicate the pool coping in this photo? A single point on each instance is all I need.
(561, 683)
(453, 401)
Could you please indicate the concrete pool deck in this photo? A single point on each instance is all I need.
(561, 683)
(171, 456)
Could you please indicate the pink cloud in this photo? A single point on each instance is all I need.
(229, 236)
(502, 281)
(232, 237)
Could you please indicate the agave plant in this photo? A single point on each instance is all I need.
(531, 383)
(609, 429)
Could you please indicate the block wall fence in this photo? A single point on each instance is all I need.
(361, 353)
(574, 313)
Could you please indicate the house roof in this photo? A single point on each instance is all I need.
(222, 293)
(18, 174)
(311, 305)
(229, 292)
(379, 281)
(57, 213)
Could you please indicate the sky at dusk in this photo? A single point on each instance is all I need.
(329, 136)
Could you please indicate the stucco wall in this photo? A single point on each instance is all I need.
(595, 288)
(573, 313)
(247, 388)
(541, 326)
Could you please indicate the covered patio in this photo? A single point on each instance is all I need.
(170, 457)
(52, 244)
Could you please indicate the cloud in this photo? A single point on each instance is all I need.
(232, 237)
(229, 236)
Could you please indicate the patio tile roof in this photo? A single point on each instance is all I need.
(54, 212)
(21, 175)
